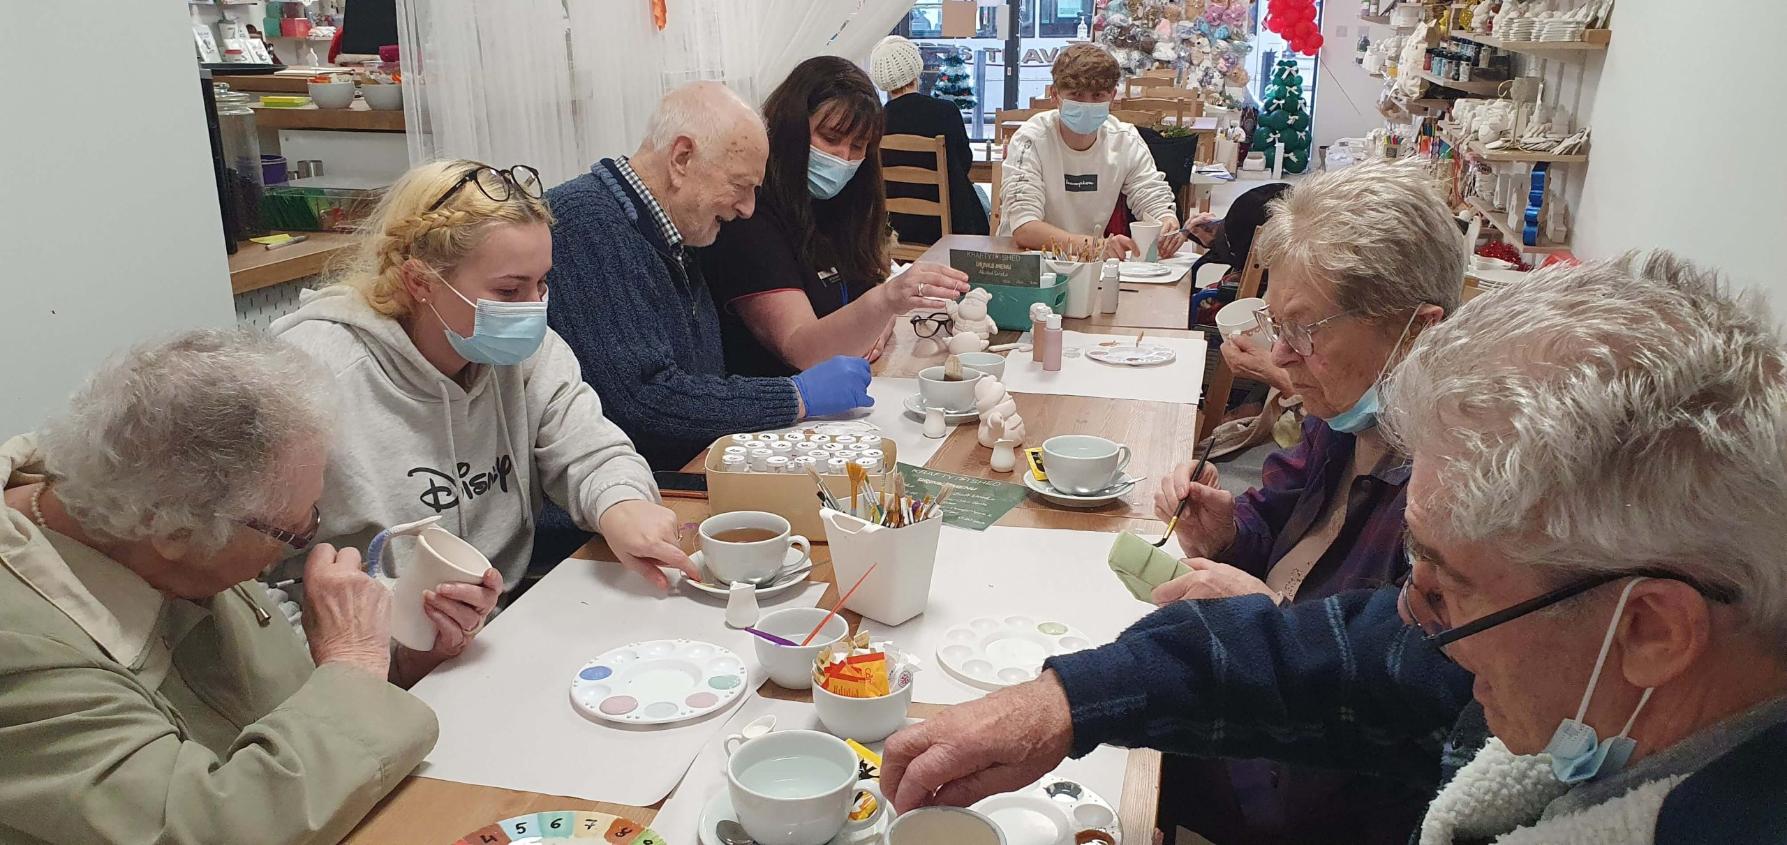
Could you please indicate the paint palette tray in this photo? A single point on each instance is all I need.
(1132, 355)
(656, 682)
(992, 654)
(587, 825)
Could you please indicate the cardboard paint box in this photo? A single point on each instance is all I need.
(792, 496)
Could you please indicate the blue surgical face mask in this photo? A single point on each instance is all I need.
(1363, 414)
(827, 174)
(1084, 118)
(503, 333)
(1577, 754)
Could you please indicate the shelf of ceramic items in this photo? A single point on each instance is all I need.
(1477, 149)
(1499, 219)
(1593, 40)
(1486, 88)
(354, 118)
(1378, 19)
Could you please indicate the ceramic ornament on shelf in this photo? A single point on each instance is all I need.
(999, 418)
(971, 321)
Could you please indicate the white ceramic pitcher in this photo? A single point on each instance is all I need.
(438, 558)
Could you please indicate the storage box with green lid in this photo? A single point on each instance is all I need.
(1016, 281)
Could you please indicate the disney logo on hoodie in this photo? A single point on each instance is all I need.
(444, 491)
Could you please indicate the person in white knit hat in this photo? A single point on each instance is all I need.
(895, 66)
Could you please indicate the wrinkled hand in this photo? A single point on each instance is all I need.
(1207, 525)
(1119, 247)
(883, 344)
(1202, 228)
(1249, 357)
(458, 612)
(997, 744)
(1211, 580)
(347, 615)
(923, 285)
(643, 535)
(1170, 241)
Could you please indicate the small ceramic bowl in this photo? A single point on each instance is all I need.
(332, 95)
(383, 97)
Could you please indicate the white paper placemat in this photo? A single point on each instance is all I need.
(1178, 381)
(505, 711)
(1103, 770)
(889, 415)
(1044, 574)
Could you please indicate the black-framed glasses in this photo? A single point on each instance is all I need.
(928, 325)
(496, 184)
(1416, 605)
(296, 540)
(1299, 337)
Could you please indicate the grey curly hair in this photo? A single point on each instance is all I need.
(1621, 414)
(182, 436)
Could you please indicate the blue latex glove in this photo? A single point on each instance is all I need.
(835, 386)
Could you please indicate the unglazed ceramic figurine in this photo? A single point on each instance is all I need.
(998, 412)
(1005, 456)
(970, 315)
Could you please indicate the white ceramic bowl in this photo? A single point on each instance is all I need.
(791, 667)
(383, 97)
(332, 95)
(862, 719)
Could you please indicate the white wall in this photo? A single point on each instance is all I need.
(1687, 140)
(110, 230)
(1345, 98)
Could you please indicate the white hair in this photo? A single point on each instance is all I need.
(1614, 416)
(1379, 232)
(184, 436)
(696, 110)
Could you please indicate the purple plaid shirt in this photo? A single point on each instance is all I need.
(1294, 488)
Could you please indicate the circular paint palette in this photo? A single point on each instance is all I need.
(1132, 355)
(994, 653)
(658, 681)
(551, 825)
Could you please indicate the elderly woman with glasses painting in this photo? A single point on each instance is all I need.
(149, 691)
(1596, 538)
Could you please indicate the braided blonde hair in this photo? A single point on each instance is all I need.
(401, 228)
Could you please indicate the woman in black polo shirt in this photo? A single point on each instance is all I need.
(806, 276)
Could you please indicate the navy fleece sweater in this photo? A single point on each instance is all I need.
(644, 328)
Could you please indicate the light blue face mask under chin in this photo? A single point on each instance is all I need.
(503, 333)
(1084, 118)
(827, 174)
(1577, 754)
(1364, 412)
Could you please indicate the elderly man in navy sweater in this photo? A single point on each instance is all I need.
(630, 300)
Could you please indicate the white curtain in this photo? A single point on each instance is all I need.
(559, 84)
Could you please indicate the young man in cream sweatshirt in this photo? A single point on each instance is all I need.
(1064, 170)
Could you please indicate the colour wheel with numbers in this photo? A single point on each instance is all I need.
(585, 825)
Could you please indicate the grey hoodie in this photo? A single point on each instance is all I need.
(412, 443)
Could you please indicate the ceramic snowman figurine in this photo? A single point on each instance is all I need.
(970, 315)
(999, 418)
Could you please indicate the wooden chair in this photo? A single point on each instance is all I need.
(1137, 117)
(1193, 100)
(1043, 103)
(1016, 117)
(1145, 79)
(1174, 109)
(1222, 379)
(936, 175)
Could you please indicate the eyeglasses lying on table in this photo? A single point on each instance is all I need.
(928, 325)
(496, 184)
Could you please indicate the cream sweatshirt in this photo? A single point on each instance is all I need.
(1044, 179)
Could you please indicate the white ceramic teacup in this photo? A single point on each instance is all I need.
(1239, 321)
(991, 363)
(753, 561)
(438, 558)
(1145, 235)
(792, 666)
(862, 719)
(948, 395)
(1083, 464)
(931, 825)
(792, 787)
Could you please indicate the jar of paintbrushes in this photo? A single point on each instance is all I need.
(891, 532)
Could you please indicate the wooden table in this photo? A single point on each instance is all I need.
(254, 266)
(430, 812)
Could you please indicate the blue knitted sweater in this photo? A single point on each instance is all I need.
(644, 328)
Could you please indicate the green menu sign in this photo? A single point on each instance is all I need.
(1018, 270)
(976, 503)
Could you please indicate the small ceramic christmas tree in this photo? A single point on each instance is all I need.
(1283, 117)
(954, 84)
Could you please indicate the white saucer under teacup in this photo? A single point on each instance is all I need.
(915, 407)
(1069, 500)
(719, 808)
(794, 571)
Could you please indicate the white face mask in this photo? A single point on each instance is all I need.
(1577, 754)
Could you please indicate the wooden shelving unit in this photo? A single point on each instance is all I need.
(1594, 41)
(1481, 89)
(1377, 19)
(1476, 149)
(355, 118)
(1499, 219)
(254, 266)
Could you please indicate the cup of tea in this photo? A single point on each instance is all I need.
(1083, 464)
(748, 546)
(791, 666)
(948, 395)
(793, 787)
(955, 825)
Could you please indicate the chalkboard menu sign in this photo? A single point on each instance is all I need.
(1018, 270)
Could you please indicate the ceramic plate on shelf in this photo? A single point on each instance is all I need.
(788, 577)
(992, 653)
(915, 407)
(552, 825)
(656, 682)
(1069, 500)
(1149, 272)
(1132, 355)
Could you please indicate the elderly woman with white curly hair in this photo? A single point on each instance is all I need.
(149, 692)
(1596, 534)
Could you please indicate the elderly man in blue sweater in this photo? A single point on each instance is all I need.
(630, 300)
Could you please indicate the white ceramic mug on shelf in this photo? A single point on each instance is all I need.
(439, 558)
(1083, 464)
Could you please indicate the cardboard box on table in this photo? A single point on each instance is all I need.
(791, 496)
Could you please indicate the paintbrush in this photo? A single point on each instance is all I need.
(840, 605)
(857, 479)
(1195, 472)
(825, 496)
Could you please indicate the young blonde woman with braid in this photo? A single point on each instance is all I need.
(460, 402)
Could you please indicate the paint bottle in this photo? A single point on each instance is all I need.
(1108, 287)
(1050, 344)
(1039, 314)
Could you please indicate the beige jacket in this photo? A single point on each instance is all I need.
(130, 717)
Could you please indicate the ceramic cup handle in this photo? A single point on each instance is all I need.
(873, 787)
(1122, 459)
(806, 549)
(732, 742)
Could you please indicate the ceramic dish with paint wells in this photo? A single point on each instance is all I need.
(1132, 354)
(994, 653)
(657, 682)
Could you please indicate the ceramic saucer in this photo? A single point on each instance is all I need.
(915, 407)
(1069, 500)
(656, 682)
(1027, 819)
(1149, 272)
(719, 808)
(787, 577)
(992, 654)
